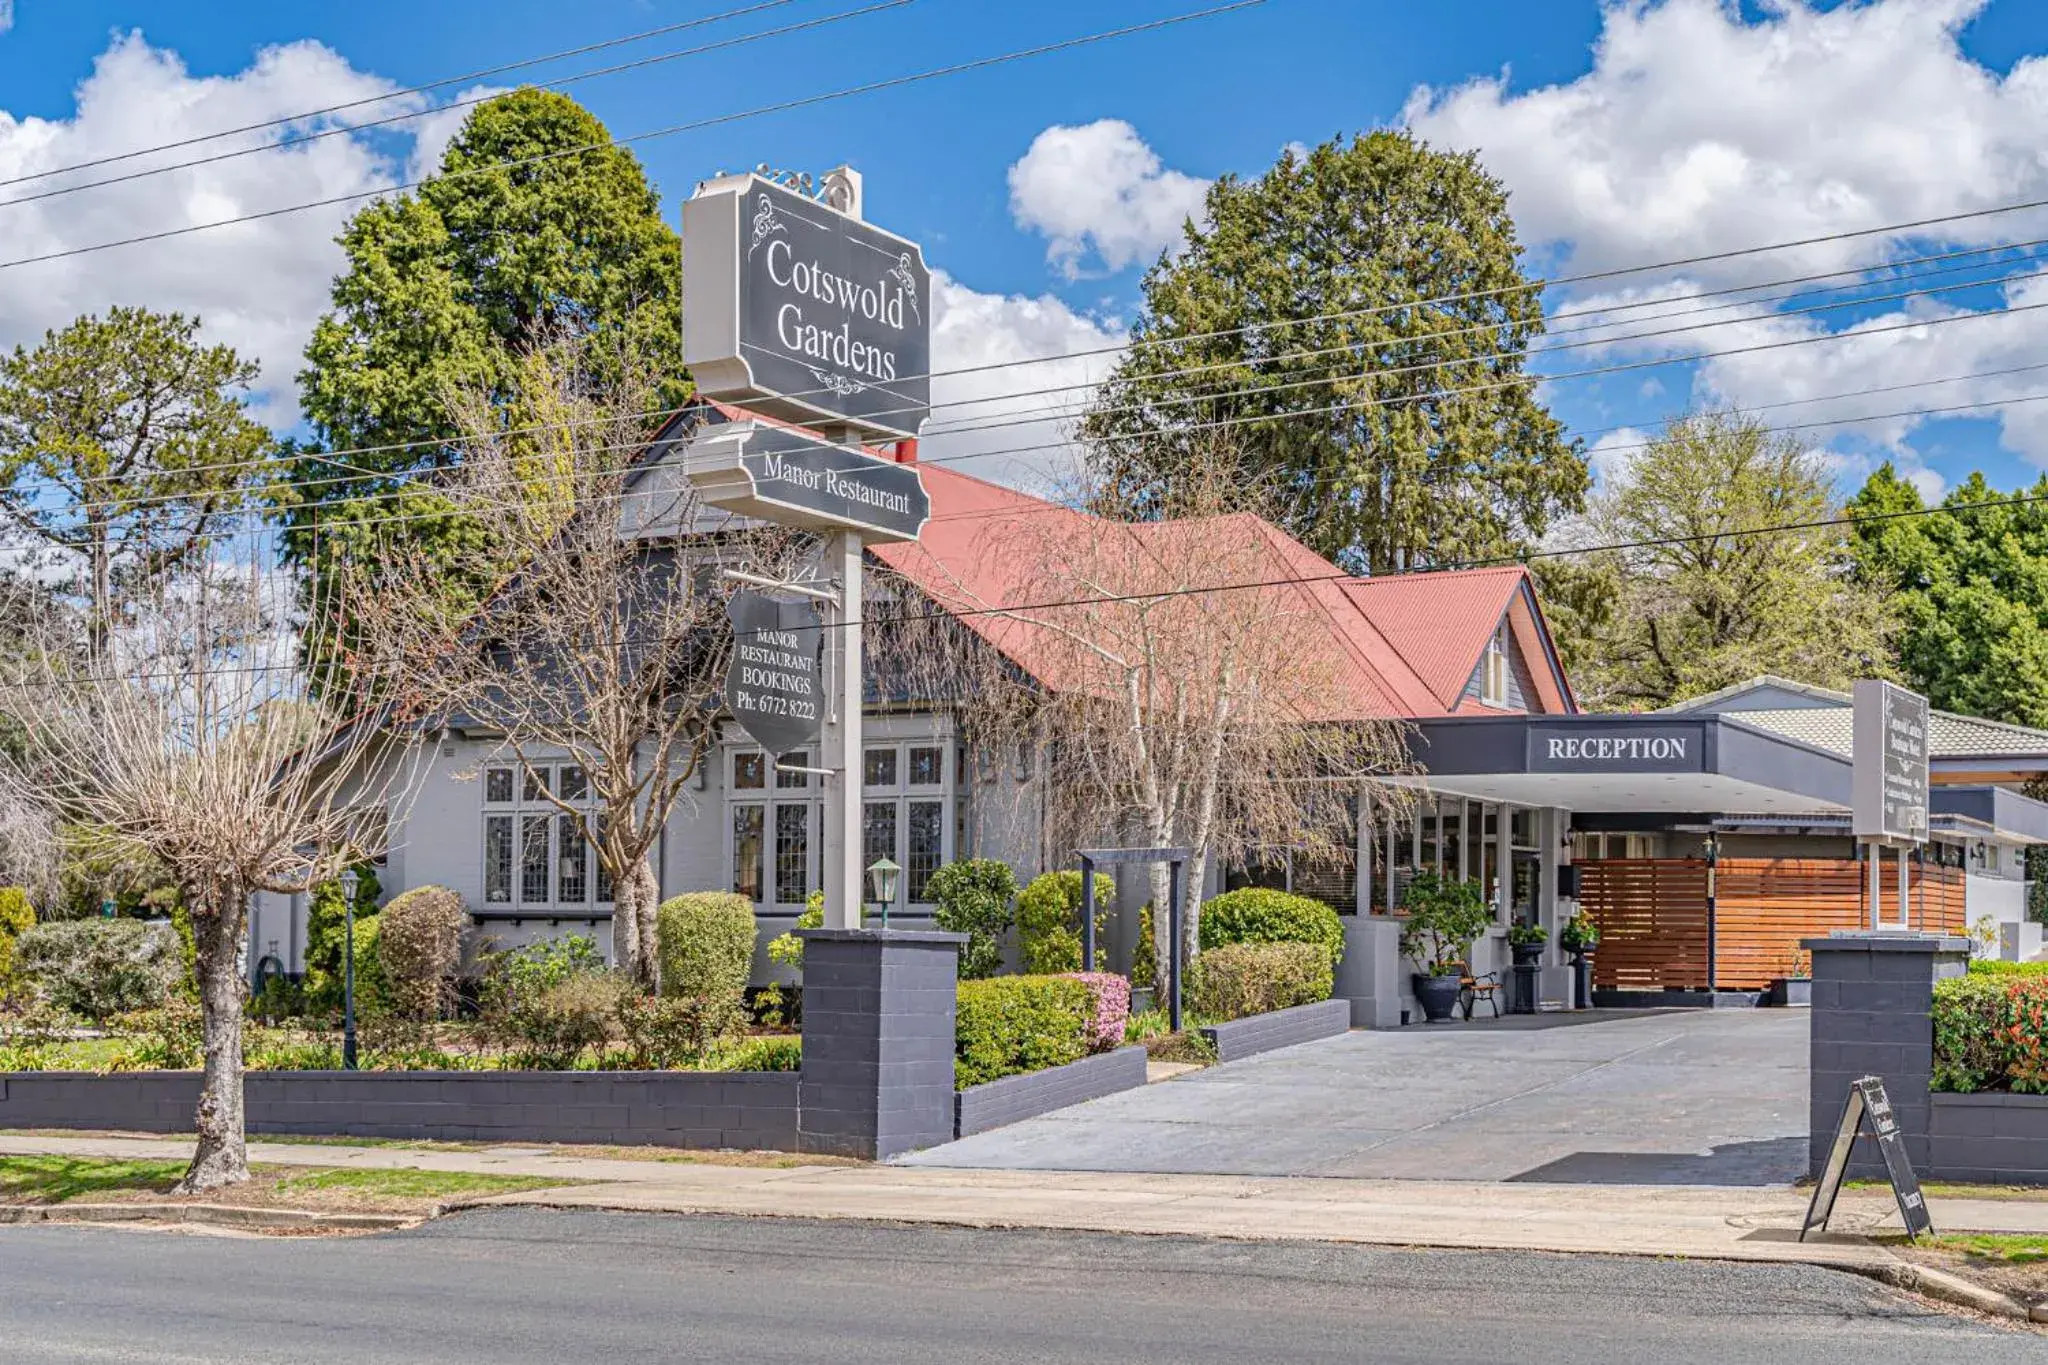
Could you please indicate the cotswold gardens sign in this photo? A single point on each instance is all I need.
(795, 309)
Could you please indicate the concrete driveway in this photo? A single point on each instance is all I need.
(1625, 1097)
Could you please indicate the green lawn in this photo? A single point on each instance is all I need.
(70, 1054)
(409, 1184)
(1942, 1189)
(59, 1179)
(2013, 1249)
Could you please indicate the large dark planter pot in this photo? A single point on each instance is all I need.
(1526, 953)
(1438, 996)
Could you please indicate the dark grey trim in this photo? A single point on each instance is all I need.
(1239, 1038)
(2004, 811)
(1014, 1098)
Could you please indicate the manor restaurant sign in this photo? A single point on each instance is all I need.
(796, 478)
(793, 308)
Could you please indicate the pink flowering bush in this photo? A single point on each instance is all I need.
(1110, 995)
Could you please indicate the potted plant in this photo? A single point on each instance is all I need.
(1579, 937)
(1795, 987)
(1526, 942)
(1445, 918)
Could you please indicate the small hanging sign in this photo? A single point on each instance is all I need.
(1869, 1106)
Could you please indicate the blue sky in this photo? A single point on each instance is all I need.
(1628, 135)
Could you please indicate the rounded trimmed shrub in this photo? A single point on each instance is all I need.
(1242, 979)
(1258, 915)
(97, 968)
(419, 946)
(973, 898)
(1007, 1025)
(705, 940)
(1049, 920)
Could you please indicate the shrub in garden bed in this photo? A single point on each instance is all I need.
(419, 946)
(1258, 915)
(973, 897)
(1008, 1025)
(16, 917)
(1109, 1008)
(1995, 967)
(706, 943)
(1049, 920)
(97, 968)
(1991, 1033)
(1244, 979)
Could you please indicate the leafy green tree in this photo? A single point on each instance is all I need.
(1368, 302)
(446, 291)
(125, 447)
(1971, 588)
(1699, 599)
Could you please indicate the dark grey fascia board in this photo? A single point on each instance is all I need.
(1752, 754)
(2006, 813)
(1460, 746)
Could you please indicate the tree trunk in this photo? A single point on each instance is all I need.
(633, 897)
(222, 1157)
(1162, 931)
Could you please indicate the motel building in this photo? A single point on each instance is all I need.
(1705, 840)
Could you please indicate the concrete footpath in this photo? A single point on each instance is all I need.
(1717, 1222)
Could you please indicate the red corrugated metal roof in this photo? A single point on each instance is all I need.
(1405, 644)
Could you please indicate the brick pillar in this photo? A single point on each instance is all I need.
(878, 1040)
(1873, 1002)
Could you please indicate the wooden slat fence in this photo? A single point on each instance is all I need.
(1652, 915)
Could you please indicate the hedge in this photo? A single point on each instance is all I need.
(1991, 1033)
(1258, 915)
(1049, 920)
(419, 946)
(1243, 979)
(1996, 967)
(973, 897)
(1007, 1025)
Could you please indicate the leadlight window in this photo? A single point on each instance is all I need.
(792, 853)
(749, 772)
(924, 847)
(785, 780)
(878, 768)
(749, 824)
(927, 765)
(536, 855)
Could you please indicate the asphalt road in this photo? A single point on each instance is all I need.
(561, 1288)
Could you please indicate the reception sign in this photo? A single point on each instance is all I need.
(794, 308)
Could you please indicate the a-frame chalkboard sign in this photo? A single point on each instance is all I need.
(1869, 1105)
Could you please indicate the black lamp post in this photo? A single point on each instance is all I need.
(882, 875)
(348, 971)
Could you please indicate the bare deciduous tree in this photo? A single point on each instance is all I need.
(607, 643)
(1184, 692)
(192, 741)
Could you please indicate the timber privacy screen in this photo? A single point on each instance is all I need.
(1682, 924)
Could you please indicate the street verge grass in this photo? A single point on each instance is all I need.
(45, 1180)
(1943, 1189)
(2014, 1264)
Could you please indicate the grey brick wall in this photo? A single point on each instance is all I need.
(1873, 999)
(1015, 1098)
(656, 1108)
(878, 1040)
(1996, 1139)
(1282, 1028)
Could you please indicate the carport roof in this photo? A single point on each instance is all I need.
(1650, 764)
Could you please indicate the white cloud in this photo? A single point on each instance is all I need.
(1099, 189)
(258, 286)
(1697, 132)
(6, 15)
(1024, 428)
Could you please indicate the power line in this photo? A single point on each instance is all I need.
(355, 474)
(697, 125)
(409, 91)
(350, 129)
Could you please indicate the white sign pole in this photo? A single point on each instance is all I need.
(842, 740)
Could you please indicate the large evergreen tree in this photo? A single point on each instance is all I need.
(1359, 318)
(1970, 584)
(534, 230)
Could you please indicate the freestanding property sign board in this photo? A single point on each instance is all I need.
(797, 478)
(796, 309)
(1889, 786)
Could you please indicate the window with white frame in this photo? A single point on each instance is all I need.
(538, 856)
(1493, 675)
(909, 815)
